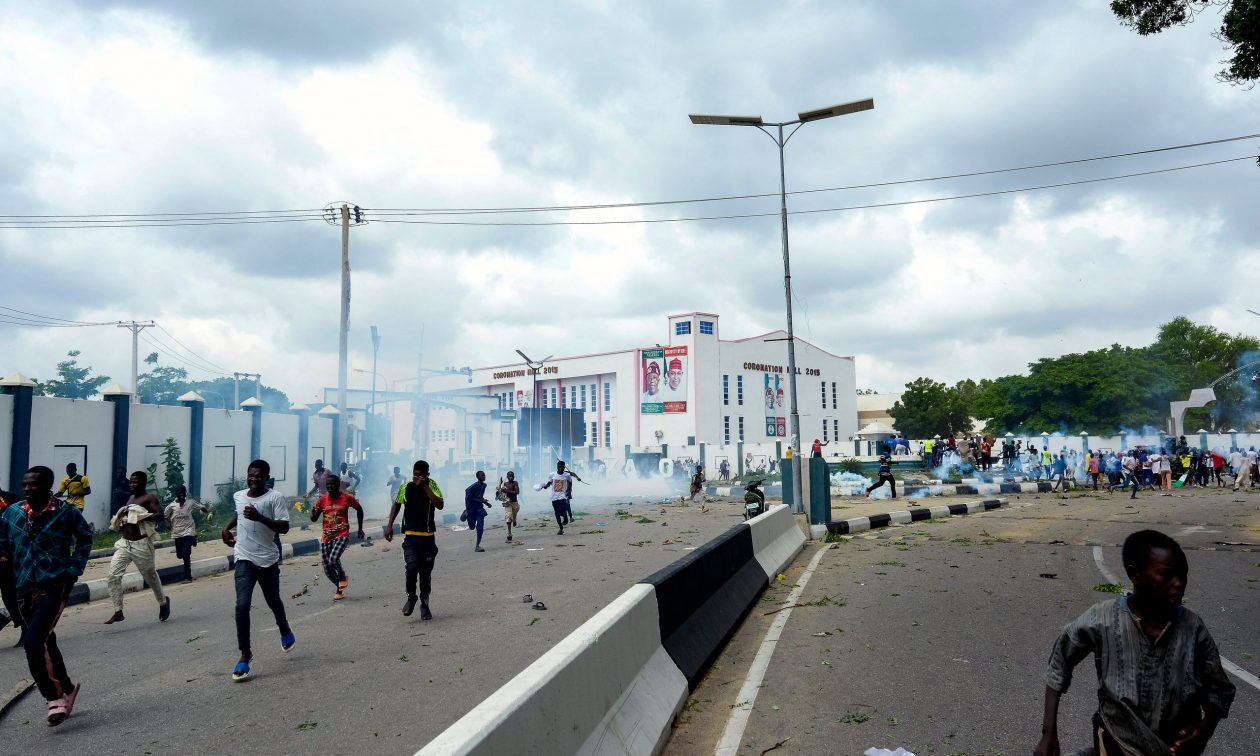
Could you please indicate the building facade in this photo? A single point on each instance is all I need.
(691, 388)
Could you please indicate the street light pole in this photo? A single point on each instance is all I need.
(798, 498)
(534, 367)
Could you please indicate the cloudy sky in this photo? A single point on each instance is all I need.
(173, 107)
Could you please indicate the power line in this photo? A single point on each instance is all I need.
(245, 213)
(55, 225)
(191, 352)
(51, 318)
(821, 210)
(152, 342)
(972, 174)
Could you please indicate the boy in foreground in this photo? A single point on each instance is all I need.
(1161, 687)
(419, 501)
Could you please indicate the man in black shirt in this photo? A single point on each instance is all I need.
(419, 501)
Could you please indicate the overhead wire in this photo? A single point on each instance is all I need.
(871, 206)
(164, 349)
(211, 363)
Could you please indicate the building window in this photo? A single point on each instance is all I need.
(594, 439)
(607, 432)
(833, 397)
(511, 400)
(682, 328)
(706, 327)
(824, 394)
(825, 438)
(594, 397)
(583, 396)
(739, 391)
(726, 390)
(608, 397)
(573, 397)
(741, 427)
(726, 429)
(553, 404)
(835, 429)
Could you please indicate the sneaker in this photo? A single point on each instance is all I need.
(425, 614)
(165, 612)
(561, 532)
(479, 549)
(409, 606)
(288, 641)
(509, 540)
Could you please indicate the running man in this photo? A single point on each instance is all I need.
(394, 483)
(319, 480)
(475, 504)
(560, 482)
(511, 504)
(135, 520)
(335, 506)
(47, 542)
(261, 514)
(1161, 688)
(419, 501)
(74, 487)
(885, 476)
(179, 515)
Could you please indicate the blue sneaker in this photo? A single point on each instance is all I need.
(288, 641)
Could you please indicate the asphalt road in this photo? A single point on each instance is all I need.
(362, 679)
(934, 636)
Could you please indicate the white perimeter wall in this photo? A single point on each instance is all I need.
(225, 450)
(6, 437)
(280, 449)
(147, 430)
(319, 440)
(70, 430)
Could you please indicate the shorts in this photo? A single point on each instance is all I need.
(510, 510)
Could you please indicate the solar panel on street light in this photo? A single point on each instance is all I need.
(724, 120)
(856, 106)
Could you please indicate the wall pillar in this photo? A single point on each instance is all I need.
(121, 399)
(739, 458)
(196, 440)
(702, 460)
(22, 389)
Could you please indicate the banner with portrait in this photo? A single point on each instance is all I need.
(772, 399)
(663, 380)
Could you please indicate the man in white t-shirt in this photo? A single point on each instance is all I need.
(560, 482)
(262, 516)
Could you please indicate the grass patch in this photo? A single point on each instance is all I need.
(963, 541)
(854, 718)
(622, 514)
(645, 520)
(590, 532)
(1109, 588)
(891, 563)
(640, 543)
(835, 538)
(308, 725)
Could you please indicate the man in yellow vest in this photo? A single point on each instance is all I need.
(74, 487)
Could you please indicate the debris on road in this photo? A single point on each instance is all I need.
(1049, 575)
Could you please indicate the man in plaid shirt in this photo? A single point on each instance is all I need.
(47, 542)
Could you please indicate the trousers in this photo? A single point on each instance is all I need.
(419, 554)
(330, 554)
(139, 553)
(40, 610)
(247, 576)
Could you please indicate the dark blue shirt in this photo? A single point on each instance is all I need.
(50, 546)
(473, 496)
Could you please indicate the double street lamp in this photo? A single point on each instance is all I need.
(775, 132)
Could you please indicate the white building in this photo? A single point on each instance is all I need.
(690, 388)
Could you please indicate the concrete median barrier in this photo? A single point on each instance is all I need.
(608, 688)
(776, 539)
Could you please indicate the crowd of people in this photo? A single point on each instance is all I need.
(45, 543)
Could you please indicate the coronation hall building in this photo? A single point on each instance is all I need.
(691, 394)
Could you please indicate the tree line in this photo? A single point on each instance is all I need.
(1100, 391)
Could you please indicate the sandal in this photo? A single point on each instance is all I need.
(57, 712)
(241, 672)
(528, 597)
(339, 595)
(540, 605)
(70, 699)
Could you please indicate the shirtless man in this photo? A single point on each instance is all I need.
(135, 520)
(511, 505)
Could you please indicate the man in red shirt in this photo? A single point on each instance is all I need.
(1218, 463)
(335, 506)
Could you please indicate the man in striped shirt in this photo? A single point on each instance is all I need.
(1161, 687)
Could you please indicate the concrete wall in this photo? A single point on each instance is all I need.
(6, 436)
(148, 428)
(280, 449)
(79, 431)
(225, 453)
(320, 447)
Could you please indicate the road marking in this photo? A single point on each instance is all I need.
(734, 732)
(1229, 666)
(1102, 567)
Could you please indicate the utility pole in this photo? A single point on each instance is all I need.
(136, 327)
(376, 347)
(345, 215)
(257, 387)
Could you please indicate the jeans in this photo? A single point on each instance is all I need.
(557, 505)
(477, 522)
(41, 609)
(419, 554)
(268, 578)
(885, 478)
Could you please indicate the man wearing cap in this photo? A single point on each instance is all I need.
(651, 382)
(674, 388)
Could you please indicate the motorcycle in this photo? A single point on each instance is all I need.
(754, 499)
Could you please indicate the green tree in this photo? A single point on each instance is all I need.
(1239, 30)
(928, 407)
(161, 384)
(220, 393)
(72, 382)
